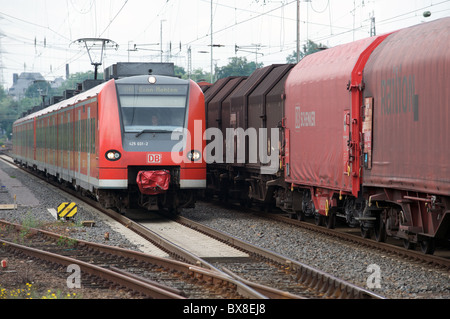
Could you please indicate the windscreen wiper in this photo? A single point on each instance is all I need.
(152, 131)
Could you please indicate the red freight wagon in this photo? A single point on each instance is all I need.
(367, 134)
(407, 142)
(407, 80)
(322, 125)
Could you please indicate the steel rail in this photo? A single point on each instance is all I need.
(266, 291)
(157, 240)
(210, 275)
(440, 262)
(314, 278)
(308, 276)
(106, 274)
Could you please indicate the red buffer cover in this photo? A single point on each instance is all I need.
(153, 182)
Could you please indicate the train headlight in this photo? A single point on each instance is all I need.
(113, 155)
(194, 155)
(152, 79)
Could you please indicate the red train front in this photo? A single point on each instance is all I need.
(153, 149)
(135, 141)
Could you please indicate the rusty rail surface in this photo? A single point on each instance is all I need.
(208, 276)
(431, 260)
(122, 279)
(331, 286)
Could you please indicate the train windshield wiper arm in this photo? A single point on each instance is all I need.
(152, 131)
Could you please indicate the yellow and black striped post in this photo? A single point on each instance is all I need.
(67, 210)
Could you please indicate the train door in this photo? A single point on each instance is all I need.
(48, 146)
(367, 132)
(54, 140)
(36, 140)
(346, 138)
(287, 158)
(78, 139)
(33, 139)
(68, 137)
(88, 143)
(60, 144)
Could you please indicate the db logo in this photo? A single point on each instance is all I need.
(154, 158)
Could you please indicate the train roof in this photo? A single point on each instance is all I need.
(70, 101)
(96, 90)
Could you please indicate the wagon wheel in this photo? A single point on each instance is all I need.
(428, 246)
(366, 232)
(318, 219)
(408, 244)
(330, 220)
(174, 211)
(380, 229)
(246, 202)
(300, 215)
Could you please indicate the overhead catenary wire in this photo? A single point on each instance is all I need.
(112, 20)
(334, 32)
(238, 23)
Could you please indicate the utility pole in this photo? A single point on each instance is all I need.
(212, 54)
(372, 25)
(298, 27)
(189, 62)
(161, 40)
(2, 80)
(298, 31)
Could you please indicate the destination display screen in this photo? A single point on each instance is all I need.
(154, 89)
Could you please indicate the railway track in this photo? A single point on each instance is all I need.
(141, 273)
(390, 248)
(440, 260)
(261, 270)
(138, 272)
(273, 269)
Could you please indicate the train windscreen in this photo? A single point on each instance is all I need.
(153, 108)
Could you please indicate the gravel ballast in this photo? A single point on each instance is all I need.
(35, 198)
(397, 278)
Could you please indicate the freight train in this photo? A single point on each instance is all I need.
(115, 141)
(359, 131)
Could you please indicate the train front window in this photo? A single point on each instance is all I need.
(152, 108)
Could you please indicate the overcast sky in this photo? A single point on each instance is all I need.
(39, 35)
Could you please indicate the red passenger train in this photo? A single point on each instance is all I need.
(363, 134)
(123, 141)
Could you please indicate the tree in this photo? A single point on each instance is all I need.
(180, 72)
(2, 93)
(11, 110)
(8, 112)
(309, 48)
(79, 77)
(200, 75)
(37, 89)
(237, 66)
